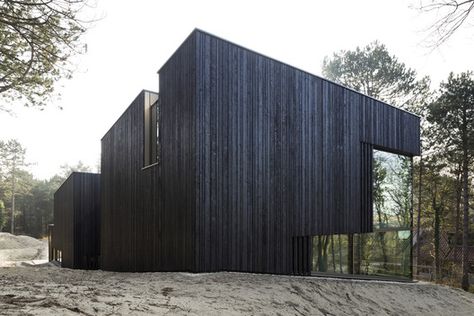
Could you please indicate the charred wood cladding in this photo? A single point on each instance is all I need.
(243, 163)
(75, 236)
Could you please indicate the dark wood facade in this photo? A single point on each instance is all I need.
(256, 157)
(147, 211)
(281, 153)
(77, 222)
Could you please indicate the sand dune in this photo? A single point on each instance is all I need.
(19, 250)
(52, 290)
(27, 289)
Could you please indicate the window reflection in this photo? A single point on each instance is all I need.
(387, 250)
(383, 253)
(151, 139)
(331, 253)
(391, 190)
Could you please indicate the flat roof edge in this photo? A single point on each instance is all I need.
(288, 65)
(126, 109)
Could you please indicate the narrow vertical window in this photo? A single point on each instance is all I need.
(151, 129)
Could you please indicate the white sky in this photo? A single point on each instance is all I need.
(132, 41)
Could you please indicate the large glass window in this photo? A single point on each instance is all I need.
(384, 253)
(387, 250)
(392, 190)
(331, 253)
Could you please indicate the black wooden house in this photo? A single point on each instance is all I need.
(76, 232)
(244, 163)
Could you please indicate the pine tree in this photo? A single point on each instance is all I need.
(452, 116)
(12, 161)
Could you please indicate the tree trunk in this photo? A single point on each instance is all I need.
(435, 207)
(465, 179)
(381, 237)
(323, 242)
(457, 224)
(437, 225)
(13, 202)
(465, 231)
(384, 250)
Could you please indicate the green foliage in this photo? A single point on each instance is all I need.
(373, 71)
(442, 189)
(36, 207)
(66, 169)
(12, 155)
(392, 189)
(37, 39)
(451, 141)
(34, 198)
(379, 175)
(452, 116)
(12, 162)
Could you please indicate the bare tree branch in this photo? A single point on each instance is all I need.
(452, 15)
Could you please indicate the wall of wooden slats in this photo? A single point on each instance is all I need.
(63, 237)
(86, 220)
(256, 156)
(77, 221)
(281, 153)
(148, 214)
(177, 158)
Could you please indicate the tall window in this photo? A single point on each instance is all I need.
(387, 250)
(392, 189)
(151, 148)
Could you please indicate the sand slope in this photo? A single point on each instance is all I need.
(17, 250)
(52, 290)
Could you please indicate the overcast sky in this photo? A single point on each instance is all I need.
(134, 38)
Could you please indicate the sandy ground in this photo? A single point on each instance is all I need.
(51, 290)
(46, 289)
(21, 250)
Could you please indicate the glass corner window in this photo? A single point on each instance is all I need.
(392, 190)
(387, 250)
